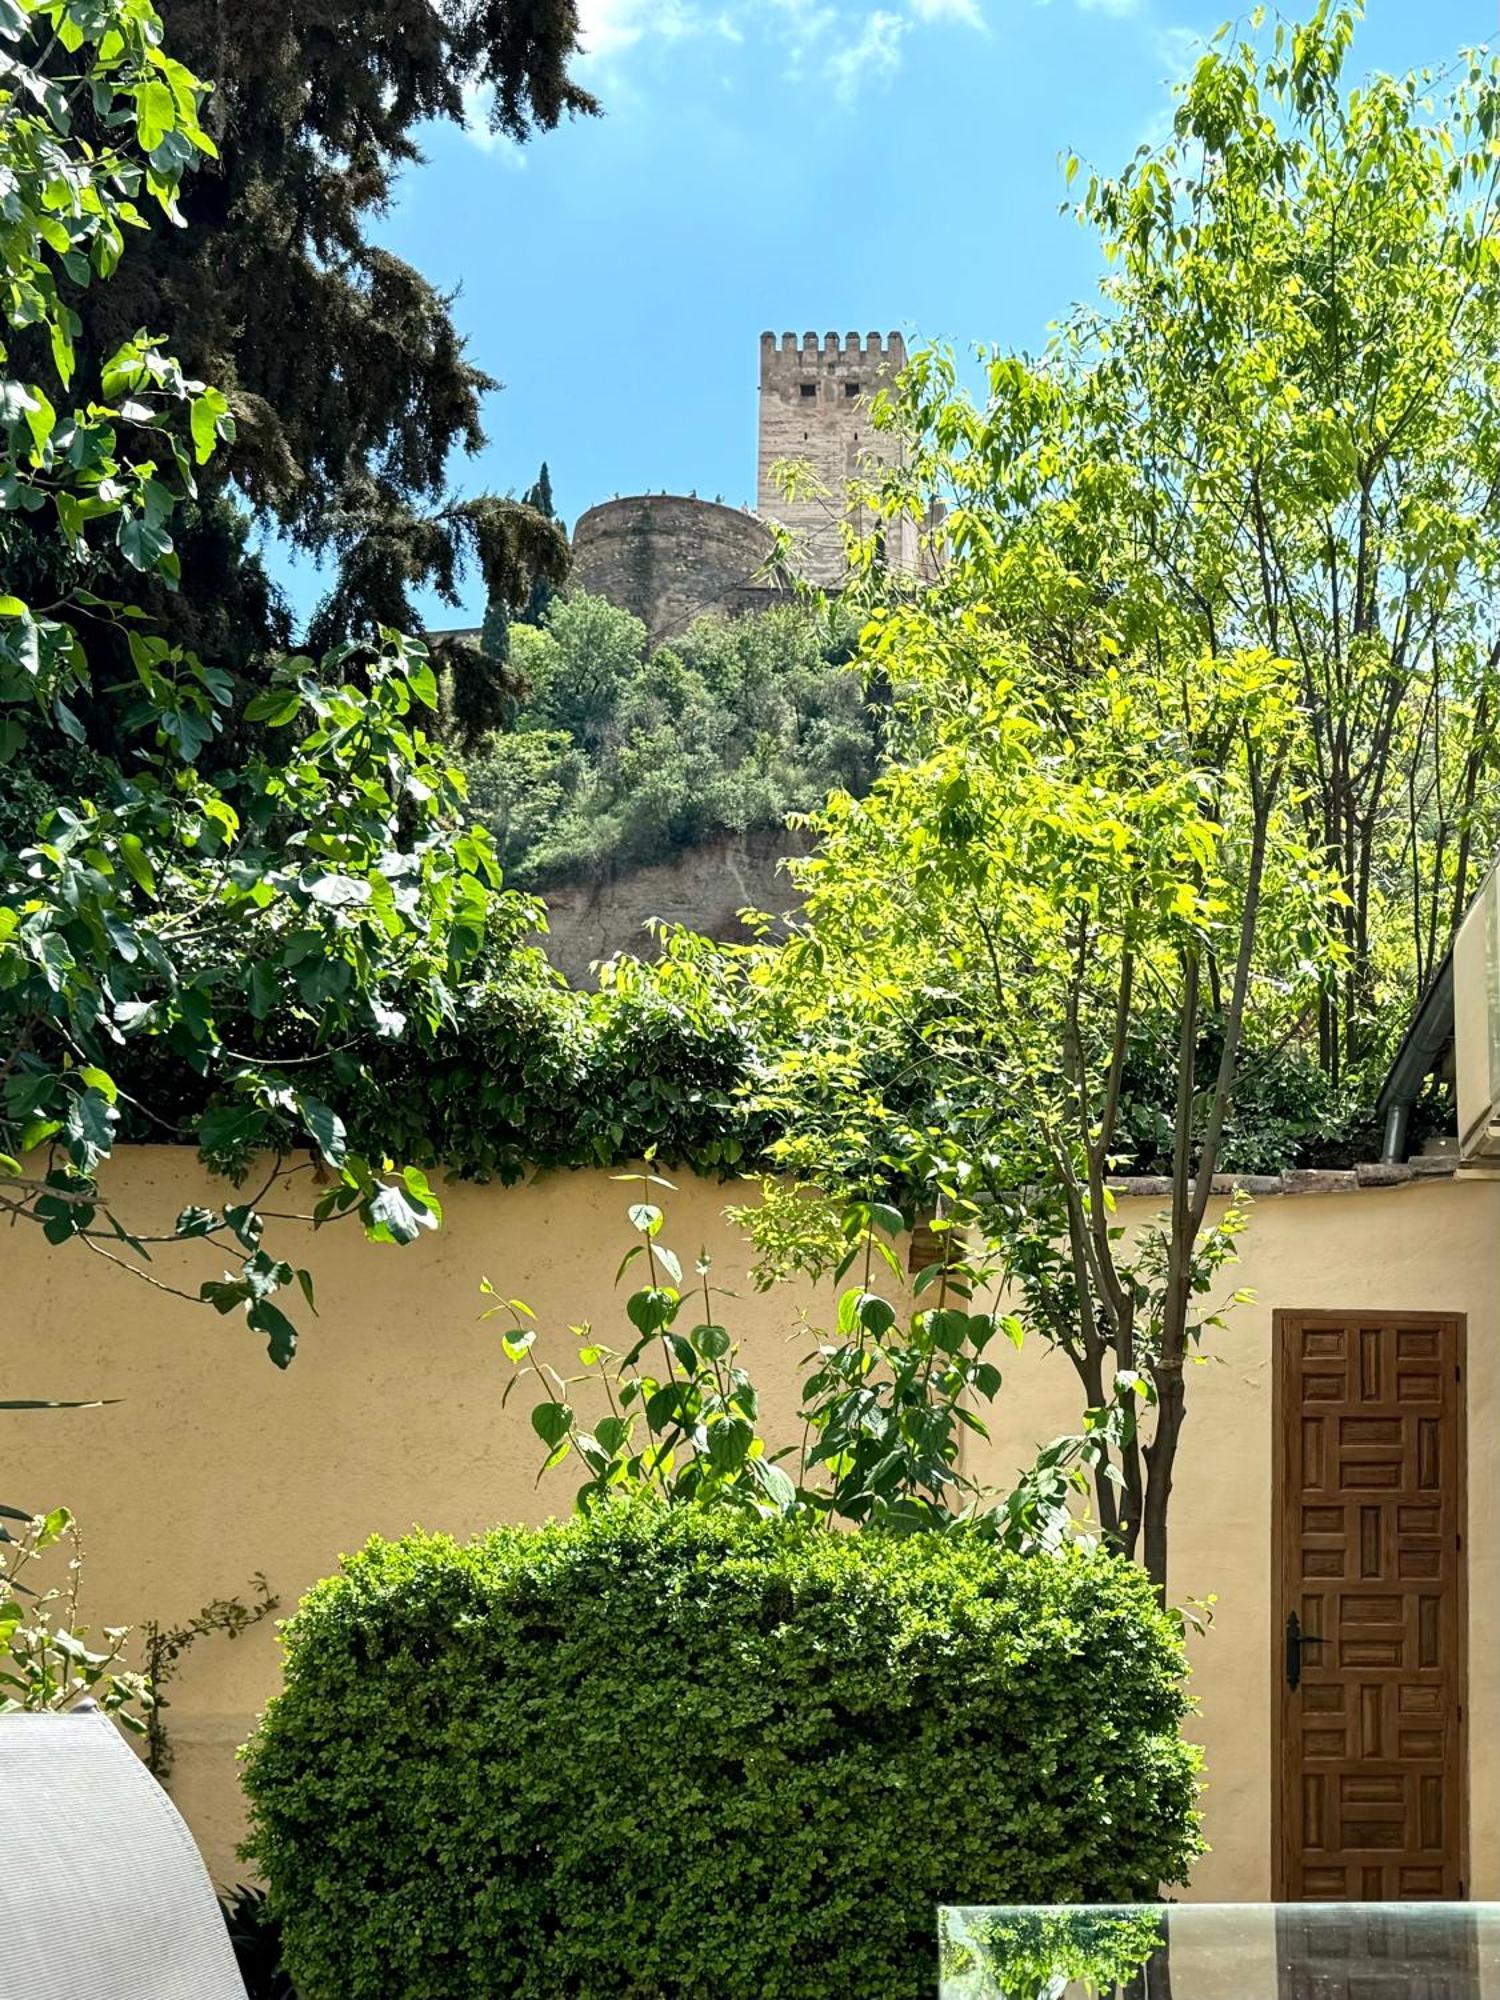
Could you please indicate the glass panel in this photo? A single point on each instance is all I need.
(1223, 1951)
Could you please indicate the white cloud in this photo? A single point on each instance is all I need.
(828, 42)
(1177, 50)
(1119, 8)
(966, 11)
(609, 27)
(499, 145)
(873, 56)
(800, 26)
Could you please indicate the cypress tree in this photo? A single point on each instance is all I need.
(544, 588)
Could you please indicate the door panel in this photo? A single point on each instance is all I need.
(1366, 1953)
(1370, 1754)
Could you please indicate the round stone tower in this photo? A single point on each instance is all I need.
(669, 558)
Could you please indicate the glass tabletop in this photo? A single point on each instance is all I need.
(1223, 1951)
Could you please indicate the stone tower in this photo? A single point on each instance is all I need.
(815, 409)
(670, 557)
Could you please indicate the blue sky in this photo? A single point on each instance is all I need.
(791, 164)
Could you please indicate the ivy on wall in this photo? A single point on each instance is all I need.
(534, 1074)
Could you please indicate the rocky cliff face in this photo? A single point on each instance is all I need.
(704, 888)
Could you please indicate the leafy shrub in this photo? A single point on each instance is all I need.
(681, 1754)
(877, 1437)
(621, 757)
(46, 1662)
(540, 1074)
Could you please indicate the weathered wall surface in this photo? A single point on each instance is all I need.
(704, 888)
(669, 559)
(212, 1465)
(815, 409)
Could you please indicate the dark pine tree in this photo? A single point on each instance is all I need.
(348, 379)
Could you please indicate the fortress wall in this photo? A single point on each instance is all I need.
(669, 558)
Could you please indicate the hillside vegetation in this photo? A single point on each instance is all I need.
(620, 757)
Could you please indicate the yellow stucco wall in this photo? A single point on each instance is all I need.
(213, 1465)
(1426, 1246)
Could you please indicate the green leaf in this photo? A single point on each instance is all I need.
(613, 1433)
(264, 991)
(635, 1250)
(729, 1441)
(247, 1225)
(223, 1294)
(552, 1422)
(652, 1309)
(327, 1129)
(774, 1483)
(275, 707)
(390, 1217)
(876, 1315)
(137, 866)
(100, 1080)
(88, 1128)
(42, 1403)
(156, 114)
(205, 413)
(228, 1128)
(949, 1329)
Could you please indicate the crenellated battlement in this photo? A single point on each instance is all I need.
(797, 351)
(817, 392)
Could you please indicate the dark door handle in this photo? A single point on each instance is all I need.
(1296, 1639)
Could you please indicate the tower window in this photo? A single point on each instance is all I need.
(809, 389)
(851, 388)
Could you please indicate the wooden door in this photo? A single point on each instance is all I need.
(1370, 1755)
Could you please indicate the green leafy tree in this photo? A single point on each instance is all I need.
(156, 924)
(1054, 865)
(525, 782)
(1277, 429)
(543, 591)
(577, 679)
(344, 442)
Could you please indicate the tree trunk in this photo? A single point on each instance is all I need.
(1161, 1457)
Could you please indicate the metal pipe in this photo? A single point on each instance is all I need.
(1397, 1122)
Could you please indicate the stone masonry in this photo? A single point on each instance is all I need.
(670, 558)
(815, 412)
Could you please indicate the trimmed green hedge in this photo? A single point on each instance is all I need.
(674, 1756)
